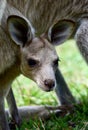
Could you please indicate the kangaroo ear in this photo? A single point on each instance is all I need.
(61, 31)
(19, 29)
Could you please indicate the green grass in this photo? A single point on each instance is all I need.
(75, 71)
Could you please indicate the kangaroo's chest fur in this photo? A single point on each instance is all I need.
(45, 13)
(42, 14)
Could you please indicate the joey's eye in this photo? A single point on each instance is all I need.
(32, 62)
(55, 62)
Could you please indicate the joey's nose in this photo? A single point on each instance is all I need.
(49, 83)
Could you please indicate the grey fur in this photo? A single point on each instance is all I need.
(42, 14)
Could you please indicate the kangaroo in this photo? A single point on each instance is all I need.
(25, 52)
(72, 10)
(43, 14)
(53, 22)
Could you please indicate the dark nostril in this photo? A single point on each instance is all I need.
(49, 83)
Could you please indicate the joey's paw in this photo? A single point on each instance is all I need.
(61, 110)
(65, 109)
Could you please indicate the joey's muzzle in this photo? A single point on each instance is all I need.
(49, 84)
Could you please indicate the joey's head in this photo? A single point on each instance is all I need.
(39, 60)
(38, 57)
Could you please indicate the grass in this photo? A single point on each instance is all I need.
(75, 71)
